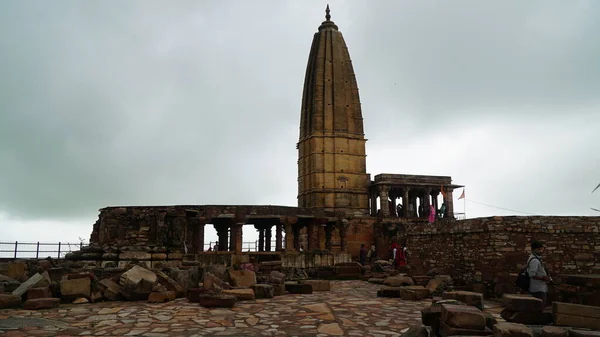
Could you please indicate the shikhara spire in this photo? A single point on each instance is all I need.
(327, 16)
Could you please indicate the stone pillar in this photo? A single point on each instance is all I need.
(342, 228)
(222, 233)
(199, 236)
(268, 233)
(289, 236)
(313, 235)
(278, 237)
(434, 196)
(237, 231)
(450, 203)
(393, 210)
(296, 231)
(427, 202)
(328, 232)
(261, 239)
(384, 200)
(405, 202)
(373, 203)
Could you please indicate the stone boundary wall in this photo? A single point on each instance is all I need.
(492, 250)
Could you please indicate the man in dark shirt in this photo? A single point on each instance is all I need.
(363, 254)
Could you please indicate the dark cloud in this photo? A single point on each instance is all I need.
(199, 102)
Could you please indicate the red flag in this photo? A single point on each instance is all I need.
(462, 196)
(442, 191)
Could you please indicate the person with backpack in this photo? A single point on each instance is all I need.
(539, 279)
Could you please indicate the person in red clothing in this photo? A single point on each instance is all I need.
(401, 256)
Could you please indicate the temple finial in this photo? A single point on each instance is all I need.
(327, 16)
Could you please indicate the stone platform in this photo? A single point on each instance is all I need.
(351, 308)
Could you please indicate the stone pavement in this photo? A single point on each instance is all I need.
(351, 308)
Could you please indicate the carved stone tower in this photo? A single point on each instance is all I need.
(332, 170)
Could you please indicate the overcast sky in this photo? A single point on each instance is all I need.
(198, 102)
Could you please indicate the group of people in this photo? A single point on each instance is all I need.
(398, 254)
(431, 213)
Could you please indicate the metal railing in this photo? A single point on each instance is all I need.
(37, 250)
(246, 246)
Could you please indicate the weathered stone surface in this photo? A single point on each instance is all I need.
(376, 280)
(296, 288)
(16, 270)
(462, 316)
(398, 281)
(41, 303)
(583, 333)
(132, 255)
(331, 329)
(439, 284)
(414, 293)
(194, 293)
(576, 309)
(447, 330)
(276, 277)
(554, 331)
(213, 283)
(42, 292)
(74, 288)
(242, 278)
(522, 303)
(526, 317)
(169, 283)
(161, 297)
(278, 289)
(263, 290)
(112, 290)
(431, 315)
(9, 301)
(217, 300)
(241, 294)
(30, 283)
(137, 283)
(576, 321)
(416, 331)
(512, 330)
(392, 292)
(81, 300)
(318, 285)
(490, 320)
(467, 297)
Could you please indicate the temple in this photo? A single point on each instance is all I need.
(339, 206)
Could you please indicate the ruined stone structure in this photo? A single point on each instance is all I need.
(340, 207)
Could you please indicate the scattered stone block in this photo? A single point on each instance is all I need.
(30, 283)
(244, 294)
(318, 285)
(554, 331)
(43, 292)
(583, 333)
(414, 293)
(130, 255)
(392, 292)
(112, 290)
(16, 270)
(276, 277)
(41, 303)
(467, 297)
(194, 293)
(376, 280)
(297, 288)
(162, 297)
(216, 300)
(447, 330)
(522, 303)
(264, 290)
(490, 320)
(398, 281)
(512, 330)
(9, 301)
(213, 283)
(73, 288)
(278, 289)
(526, 317)
(81, 300)
(576, 315)
(462, 316)
(169, 283)
(431, 316)
(416, 331)
(242, 278)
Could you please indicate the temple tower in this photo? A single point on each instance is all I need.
(332, 170)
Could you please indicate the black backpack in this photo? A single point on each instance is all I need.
(523, 279)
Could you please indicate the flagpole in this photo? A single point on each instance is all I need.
(465, 204)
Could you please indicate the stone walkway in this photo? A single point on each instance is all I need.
(351, 308)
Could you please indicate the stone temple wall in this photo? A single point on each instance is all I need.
(492, 250)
